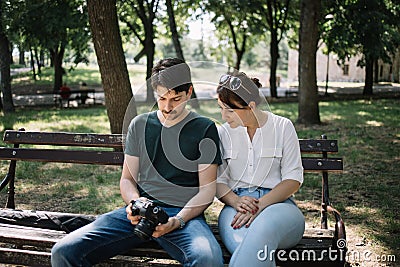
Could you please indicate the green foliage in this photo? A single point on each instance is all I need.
(370, 28)
(51, 24)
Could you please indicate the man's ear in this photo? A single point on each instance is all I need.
(190, 91)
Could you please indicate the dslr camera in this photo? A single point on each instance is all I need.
(151, 214)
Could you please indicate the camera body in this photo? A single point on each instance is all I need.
(151, 215)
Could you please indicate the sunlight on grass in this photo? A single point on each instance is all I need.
(363, 113)
(374, 123)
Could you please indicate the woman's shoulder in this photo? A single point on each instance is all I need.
(279, 120)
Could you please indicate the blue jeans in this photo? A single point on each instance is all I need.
(112, 233)
(280, 225)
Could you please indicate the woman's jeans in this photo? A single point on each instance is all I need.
(112, 234)
(280, 225)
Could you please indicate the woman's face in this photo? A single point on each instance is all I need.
(235, 117)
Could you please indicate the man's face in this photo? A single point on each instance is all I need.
(171, 103)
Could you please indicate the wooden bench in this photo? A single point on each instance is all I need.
(291, 92)
(30, 245)
(74, 95)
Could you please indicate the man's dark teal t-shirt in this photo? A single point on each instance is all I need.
(169, 156)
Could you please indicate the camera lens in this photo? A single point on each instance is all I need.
(144, 229)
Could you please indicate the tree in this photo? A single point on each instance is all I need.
(55, 25)
(139, 16)
(277, 16)
(370, 28)
(5, 62)
(110, 56)
(308, 40)
(174, 31)
(235, 24)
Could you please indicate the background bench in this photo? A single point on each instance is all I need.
(74, 95)
(30, 245)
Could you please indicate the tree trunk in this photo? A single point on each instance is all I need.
(178, 48)
(5, 76)
(369, 74)
(308, 38)
(21, 58)
(58, 55)
(274, 50)
(141, 54)
(33, 65)
(150, 49)
(239, 56)
(174, 32)
(10, 45)
(37, 61)
(111, 59)
(376, 71)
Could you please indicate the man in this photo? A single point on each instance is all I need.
(171, 158)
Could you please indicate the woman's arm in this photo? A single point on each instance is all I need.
(241, 204)
(279, 193)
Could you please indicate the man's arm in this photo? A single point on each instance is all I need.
(128, 185)
(198, 203)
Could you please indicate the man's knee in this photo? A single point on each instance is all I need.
(207, 254)
(58, 254)
(64, 254)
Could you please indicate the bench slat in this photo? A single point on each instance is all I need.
(320, 145)
(63, 155)
(318, 164)
(24, 257)
(117, 158)
(63, 139)
(115, 140)
(27, 237)
(39, 258)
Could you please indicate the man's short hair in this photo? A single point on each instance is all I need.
(172, 73)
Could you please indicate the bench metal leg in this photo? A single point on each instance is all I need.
(9, 179)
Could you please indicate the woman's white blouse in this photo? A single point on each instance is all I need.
(272, 156)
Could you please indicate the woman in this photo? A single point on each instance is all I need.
(262, 169)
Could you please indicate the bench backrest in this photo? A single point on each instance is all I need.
(106, 149)
(82, 140)
(317, 162)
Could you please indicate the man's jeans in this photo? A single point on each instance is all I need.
(280, 225)
(112, 234)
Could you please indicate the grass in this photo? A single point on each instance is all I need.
(366, 193)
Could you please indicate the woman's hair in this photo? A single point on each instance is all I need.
(172, 73)
(248, 91)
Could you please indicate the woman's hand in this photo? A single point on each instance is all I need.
(240, 219)
(243, 219)
(246, 204)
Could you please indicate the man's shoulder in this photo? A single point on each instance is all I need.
(141, 120)
(144, 117)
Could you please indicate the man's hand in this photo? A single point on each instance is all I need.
(162, 229)
(133, 218)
